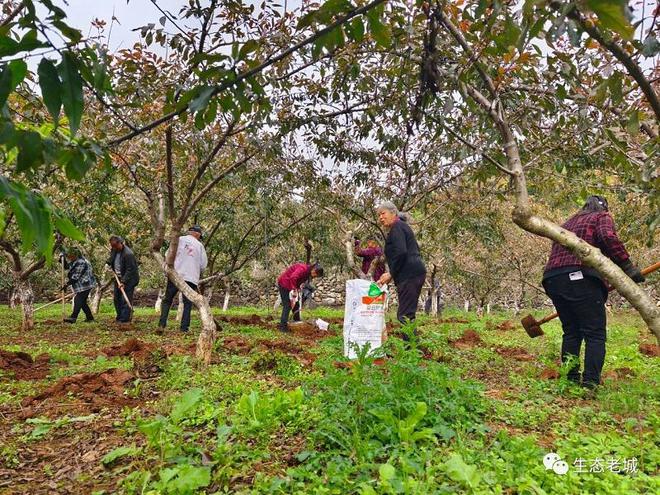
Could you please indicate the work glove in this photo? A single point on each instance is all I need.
(632, 271)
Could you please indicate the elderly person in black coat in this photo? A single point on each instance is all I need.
(405, 264)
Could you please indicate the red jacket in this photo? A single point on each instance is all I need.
(294, 276)
(369, 255)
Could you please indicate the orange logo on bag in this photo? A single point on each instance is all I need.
(374, 300)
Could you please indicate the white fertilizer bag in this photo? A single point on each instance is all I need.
(364, 316)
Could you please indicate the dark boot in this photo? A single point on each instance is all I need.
(69, 320)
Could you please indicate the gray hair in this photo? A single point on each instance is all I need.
(389, 206)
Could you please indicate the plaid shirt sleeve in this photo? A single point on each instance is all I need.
(608, 240)
(76, 271)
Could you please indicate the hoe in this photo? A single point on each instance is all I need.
(533, 327)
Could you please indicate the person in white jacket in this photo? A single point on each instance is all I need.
(190, 261)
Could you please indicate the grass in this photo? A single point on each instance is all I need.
(278, 419)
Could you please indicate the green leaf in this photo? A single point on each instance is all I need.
(8, 46)
(5, 84)
(633, 123)
(247, 48)
(651, 46)
(73, 34)
(119, 452)
(72, 95)
(190, 479)
(615, 84)
(186, 403)
(379, 31)
(18, 71)
(30, 148)
(306, 20)
(67, 229)
(386, 472)
(51, 88)
(202, 99)
(355, 29)
(459, 471)
(612, 15)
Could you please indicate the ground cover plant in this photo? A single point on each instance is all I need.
(472, 407)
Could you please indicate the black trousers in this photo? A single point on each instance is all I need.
(80, 302)
(408, 292)
(122, 309)
(581, 308)
(286, 307)
(170, 292)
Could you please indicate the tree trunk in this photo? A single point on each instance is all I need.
(349, 248)
(225, 304)
(25, 295)
(179, 308)
(98, 294)
(466, 306)
(208, 332)
(159, 301)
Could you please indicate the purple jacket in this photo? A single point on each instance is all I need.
(294, 276)
(368, 256)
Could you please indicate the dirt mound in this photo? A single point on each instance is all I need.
(652, 350)
(505, 326)
(241, 346)
(515, 353)
(96, 389)
(23, 366)
(619, 374)
(468, 340)
(549, 374)
(253, 320)
(237, 345)
(309, 331)
(135, 348)
(452, 319)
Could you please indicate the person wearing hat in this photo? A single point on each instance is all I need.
(291, 280)
(189, 263)
(579, 293)
(122, 261)
(81, 279)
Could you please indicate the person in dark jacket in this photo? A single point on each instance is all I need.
(406, 267)
(122, 261)
(370, 253)
(292, 279)
(80, 277)
(579, 293)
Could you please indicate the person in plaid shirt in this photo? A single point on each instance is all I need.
(579, 293)
(82, 281)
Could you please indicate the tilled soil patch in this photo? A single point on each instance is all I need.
(468, 340)
(652, 350)
(23, 366)
(92, 391)
(515, 353)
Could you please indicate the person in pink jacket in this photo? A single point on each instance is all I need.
(291, 280)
